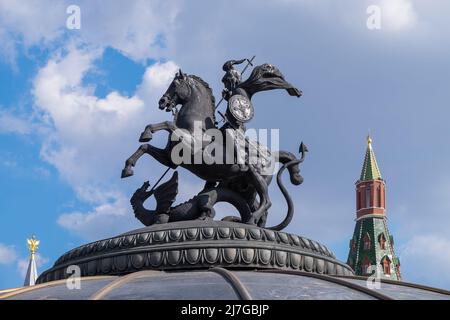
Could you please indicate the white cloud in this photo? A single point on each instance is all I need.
(33, 22)
(137, 29)
(22, 264)
(103, 221)
(89, 138)
(398, 14)
(426, 259)
(28, 23)
(90, 131)
(7, 48)
(7, 254)
(158, 76)
(113, 215)
(10, 123)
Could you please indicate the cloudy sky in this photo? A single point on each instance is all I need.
(73, 103)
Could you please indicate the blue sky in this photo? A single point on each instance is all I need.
(73, 103)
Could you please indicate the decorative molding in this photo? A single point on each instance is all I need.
(372, 215)
(198, 245)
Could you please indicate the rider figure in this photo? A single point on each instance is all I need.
(231, 81)
(232, 77)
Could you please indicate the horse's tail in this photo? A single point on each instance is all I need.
(290, 162)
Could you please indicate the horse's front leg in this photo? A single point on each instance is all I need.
(131, 161)
(147, 135)
(162, 155)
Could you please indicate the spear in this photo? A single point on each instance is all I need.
(249, 63)
(159, 180)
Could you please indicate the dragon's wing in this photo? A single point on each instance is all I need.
(166, 193)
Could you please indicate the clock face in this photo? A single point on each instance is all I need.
(241, 108)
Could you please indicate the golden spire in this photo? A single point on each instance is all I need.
(369, 141)
(33, 244)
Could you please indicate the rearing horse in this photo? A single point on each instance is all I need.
(198, 106)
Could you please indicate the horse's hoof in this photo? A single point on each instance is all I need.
(145, 137)
(127, 172)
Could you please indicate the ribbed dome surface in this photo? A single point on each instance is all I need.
(219, 283)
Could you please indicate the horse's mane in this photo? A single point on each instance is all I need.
(209, 90)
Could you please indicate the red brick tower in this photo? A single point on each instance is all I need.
(372, 244)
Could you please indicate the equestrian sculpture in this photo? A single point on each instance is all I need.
(242, 182)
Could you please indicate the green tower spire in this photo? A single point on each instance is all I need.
(370, 169)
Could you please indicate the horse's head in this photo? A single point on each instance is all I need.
(178, 92)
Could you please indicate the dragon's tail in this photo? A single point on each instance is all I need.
(291, 163)
(290, 204)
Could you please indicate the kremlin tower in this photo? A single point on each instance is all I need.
(372, 244)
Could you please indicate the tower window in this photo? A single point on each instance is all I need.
(382, 241)
(379, 197)
(366, 241)
(386, 264)
(358, 200)
(368, 198)
(365, 265)
(397, 269)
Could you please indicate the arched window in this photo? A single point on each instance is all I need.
(368, 198)
(365, 265)
(397, 269)
(386, 264)
(353, 245)
(358, 204)
(366, 241)
(379, 197)
(382, 241)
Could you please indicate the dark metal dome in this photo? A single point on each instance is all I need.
(199, 260)
(194, 245)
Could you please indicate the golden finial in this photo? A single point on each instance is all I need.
(33, 244)
(369, 141)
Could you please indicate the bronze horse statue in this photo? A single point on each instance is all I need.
(245, 187)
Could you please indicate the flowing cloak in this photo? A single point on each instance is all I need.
(267, 77)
